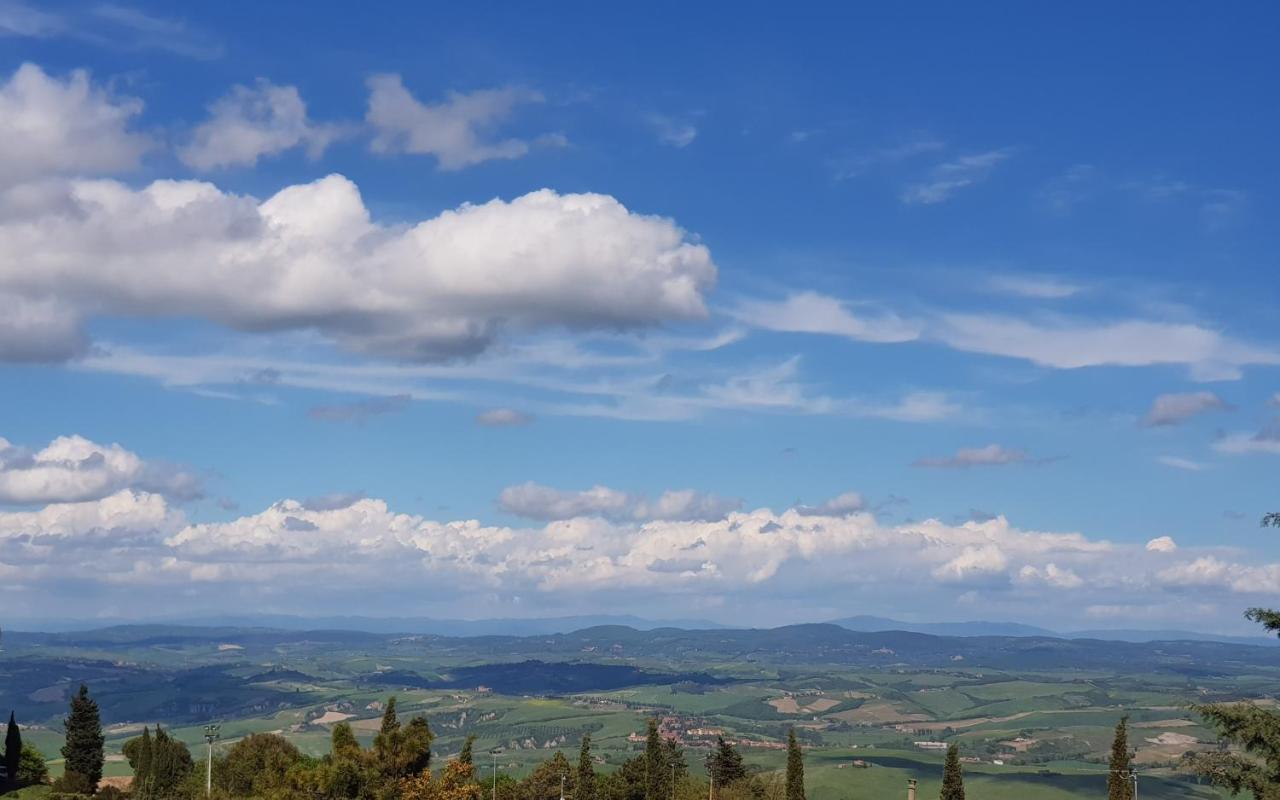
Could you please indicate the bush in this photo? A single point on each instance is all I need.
(73, 784)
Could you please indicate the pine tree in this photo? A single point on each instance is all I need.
(1119, 786)
(795, 768)
(83, 750)
(1256, 730)
(586, 788)
(12, 750)
(724, 764)
(466, 757)
(655, 764)
(952, 776)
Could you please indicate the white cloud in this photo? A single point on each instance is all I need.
(1177, 462)
(1038, 287)
(993, 455)
(849, 167)
(453, 131)
(110, 26)
(251, 122)
(672, 131)
(810, 312)
(1209, 571)
(1050, 575)
(73, 469)
(841, 505)
(535, 501)
(1070, 343)
(310, 258)
(973, 563)
(950, 177)
(1056, 341)
(1265, 441)
(51, 126)
(503, 418)
(342, 550)
(1174, 409)
(1162, 544)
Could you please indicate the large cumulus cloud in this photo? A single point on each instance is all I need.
(310, 257)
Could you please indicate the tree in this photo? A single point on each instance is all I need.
(83, 750)
(795, 768)
(12, 750)
(586, 788)
(465, 755)
(139, 752)
(655, 768)
(1119, 785)
(342, 742)
(545, 781)
(257, 765)
(1256, 730)
(400, 751)
(724, 764)
(32, 769)
(952, 776)
(455, 782)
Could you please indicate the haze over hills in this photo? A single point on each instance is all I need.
(981, 628)
(539, 626)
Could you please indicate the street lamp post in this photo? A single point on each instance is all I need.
(211, 734)
(1130, 774)
(494, 753)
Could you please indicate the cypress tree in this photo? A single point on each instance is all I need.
(142, 775)
(12, 750)
(390, 723)
(795, 768)
(655, 764)
(1119, 786)
(83, 750)
(465, 757)
(952, 776)
(586, 788)
(343, 743)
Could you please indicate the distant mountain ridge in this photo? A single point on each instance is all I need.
(869, 624)
(512, 626)
(545, 626)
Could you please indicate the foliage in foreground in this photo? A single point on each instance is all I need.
(1254, 730)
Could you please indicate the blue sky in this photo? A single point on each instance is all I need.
(667, 311)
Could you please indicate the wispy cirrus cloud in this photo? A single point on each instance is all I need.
(992, 455)
(503, 418)
(110, 26)
(361, 410)
(949, 177)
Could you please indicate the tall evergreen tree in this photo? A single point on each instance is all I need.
(952, 776)
(724, 764)
(12, 750)
(586, 788)
(83, 750)
(795, 768)
(142, 769)
(655, 764)
(1119, 784)
(466, 756)
(343, 743)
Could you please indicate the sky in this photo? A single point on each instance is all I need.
(926, 311)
